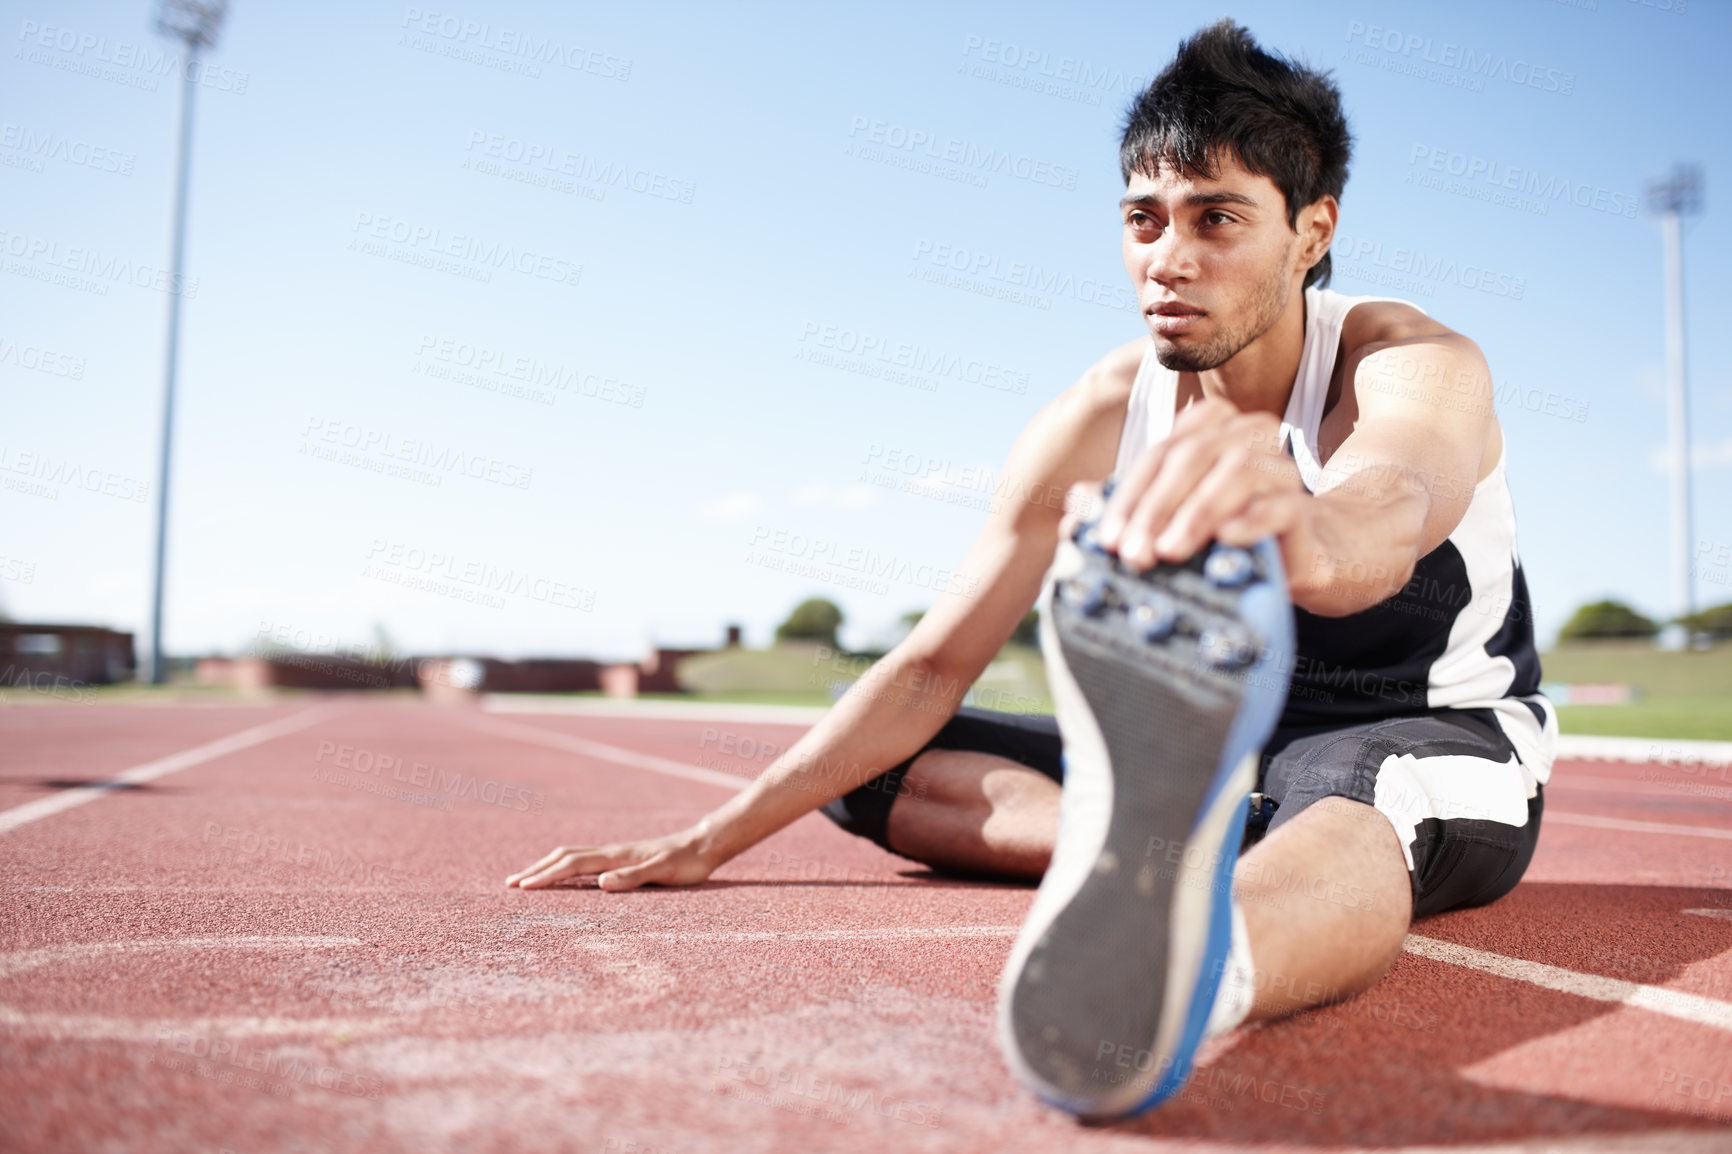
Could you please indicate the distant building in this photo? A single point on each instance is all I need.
(453, 677)
(443, 677)
(304, 671)
(89, 654)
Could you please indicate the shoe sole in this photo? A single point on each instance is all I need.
(1110, 984)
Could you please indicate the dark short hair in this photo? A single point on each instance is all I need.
(1223, 94)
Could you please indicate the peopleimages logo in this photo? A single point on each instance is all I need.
(91, 262)
(990, 267)
(970, 158)
(1422, 267)
(424, 244)
(50, 146)
(1475, 170)
(461, 33)
(1464, 61)
(134, 65)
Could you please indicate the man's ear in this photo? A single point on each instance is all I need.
(1316, 229)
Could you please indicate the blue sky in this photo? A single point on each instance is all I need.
(576, 329)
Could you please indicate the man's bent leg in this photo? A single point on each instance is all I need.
(1327, 902)
(982, 796)
(972, 811)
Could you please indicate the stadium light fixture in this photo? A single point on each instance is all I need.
(195, 25)
(1671, 198)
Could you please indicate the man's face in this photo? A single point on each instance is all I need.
(1212, 261)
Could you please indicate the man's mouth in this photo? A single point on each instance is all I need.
(1173, 318)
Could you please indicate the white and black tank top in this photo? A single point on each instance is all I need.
(1459, 635)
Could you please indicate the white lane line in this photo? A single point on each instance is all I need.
(1568, 783)
(656, 710)
(91, 1028)
(1722, 914)
(21, 961)
(601, 751)
(888, 933)
(67, 799)
(1669, 829)
(1672, 1003)
(87, 1027)
(1659, 750)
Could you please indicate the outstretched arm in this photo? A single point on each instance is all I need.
(906, 698)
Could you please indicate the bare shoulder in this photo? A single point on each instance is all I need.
(1103, 390)
(1111, 378)
(1075, 436)
(1097, 399)
(1379, 325)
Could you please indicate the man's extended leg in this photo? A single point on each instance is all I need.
(1326, 897)
(1327, 901)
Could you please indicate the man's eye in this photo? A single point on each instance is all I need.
(1217, 218)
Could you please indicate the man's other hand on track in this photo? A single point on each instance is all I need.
(673, 860)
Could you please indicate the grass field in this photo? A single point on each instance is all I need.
(1684, 695)
(1679, 695)
(808, 674)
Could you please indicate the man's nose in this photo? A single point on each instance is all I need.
(1171, 257)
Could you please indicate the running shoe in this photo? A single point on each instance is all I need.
(1167, 684)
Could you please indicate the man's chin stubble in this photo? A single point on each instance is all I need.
(1200, 360)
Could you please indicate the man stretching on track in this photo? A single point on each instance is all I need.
(1268, 439)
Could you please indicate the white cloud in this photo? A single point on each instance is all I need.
(1710, 456)
(847, 497)
(732, 507)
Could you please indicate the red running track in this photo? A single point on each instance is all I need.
(299, 940)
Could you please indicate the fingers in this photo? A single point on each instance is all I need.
(537, 867)
(1082, 501)
(631, 877)
(1269, 515)
(1182, 491)
(1160, 478)
(1229, 492)
(1129, 489)
(1146, 538)
(566, 862)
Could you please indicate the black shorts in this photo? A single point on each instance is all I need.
(1449, 782)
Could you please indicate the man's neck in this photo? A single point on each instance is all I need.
(1259, 377)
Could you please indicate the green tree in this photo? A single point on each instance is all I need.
(812, 620)
(1716, 622)
(1606, 619)
(1028, 630)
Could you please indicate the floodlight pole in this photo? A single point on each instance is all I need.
(1678, 194)
(194, 24)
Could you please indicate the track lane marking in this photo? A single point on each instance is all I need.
(1628, 788)
(636, 709)
(887, 933)
(30, 811)
(1672, 1003)
(601, 751)
(1664, 751)
(18, 961)
(1669, 829)
(91, 1027)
